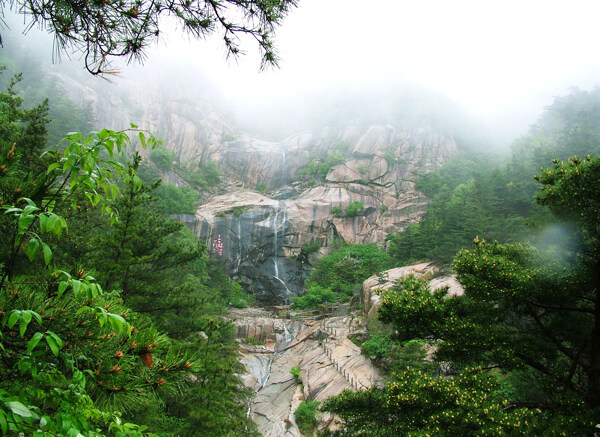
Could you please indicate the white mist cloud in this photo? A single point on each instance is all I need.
(501, 60)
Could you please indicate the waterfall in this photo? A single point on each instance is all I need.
(275, 243)
(239, 235)
(284, 284)
(288, 336)
(264, 377)
(276, 227)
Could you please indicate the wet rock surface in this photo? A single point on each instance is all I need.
(328, 361)
(260, 238)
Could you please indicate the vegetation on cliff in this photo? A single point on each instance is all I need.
(339, 275)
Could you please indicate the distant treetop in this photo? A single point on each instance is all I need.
(105, 29)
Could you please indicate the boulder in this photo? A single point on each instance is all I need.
(388, 279)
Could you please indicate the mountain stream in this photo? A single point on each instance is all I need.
(328, 361)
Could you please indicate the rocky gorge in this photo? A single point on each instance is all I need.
(267, 210)
(271, 218)
(261, 238)
(322, 348)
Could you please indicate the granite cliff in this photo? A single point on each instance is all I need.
(261, 237)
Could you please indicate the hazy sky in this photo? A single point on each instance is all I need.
(499, 59)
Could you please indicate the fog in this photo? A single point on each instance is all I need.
(501, 62)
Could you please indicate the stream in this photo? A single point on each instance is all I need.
(329, 363)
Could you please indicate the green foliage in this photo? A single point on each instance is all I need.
(261, 187)
(570, 190)
(345, 269)
(211, 173)
(162, 157)
(176, 200)
(76, 359)
(63, 114)
(254, 341)
(317, 168)
(521, 342)
(355, 208)
(295, 371)
(469, 197)
(416, 403)
(390, 157)
(484, 203)
(311, 247)
(383, 208)
(103, 33)
(239, 210)
(379, 345)
(314, 296)
(306, 416)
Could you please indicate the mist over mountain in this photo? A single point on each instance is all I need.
(395, 232)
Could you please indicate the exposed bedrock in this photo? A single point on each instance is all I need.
(260, 239)
(328, 362)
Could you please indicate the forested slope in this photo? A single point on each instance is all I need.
(110, 309)
(495, 198)
(518, 352)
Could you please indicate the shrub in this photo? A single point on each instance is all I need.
(379, 345)
(345, 269)
(315, 295)
(337, 211)
(295, 371)
(384, 207)
(162, 157)
(177, 200)
(306, 416)
(239, 210)
(211, 172)
(319, 167)
(311, 247)
(261, 187)
(355, 209)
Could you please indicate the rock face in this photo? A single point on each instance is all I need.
(328, 361)
(259, 238)
(371, 300)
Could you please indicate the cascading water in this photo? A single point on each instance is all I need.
(239, 236)
(276, 227)
(287, 336)
(264, 376)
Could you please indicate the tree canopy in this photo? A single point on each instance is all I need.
(519, 352)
